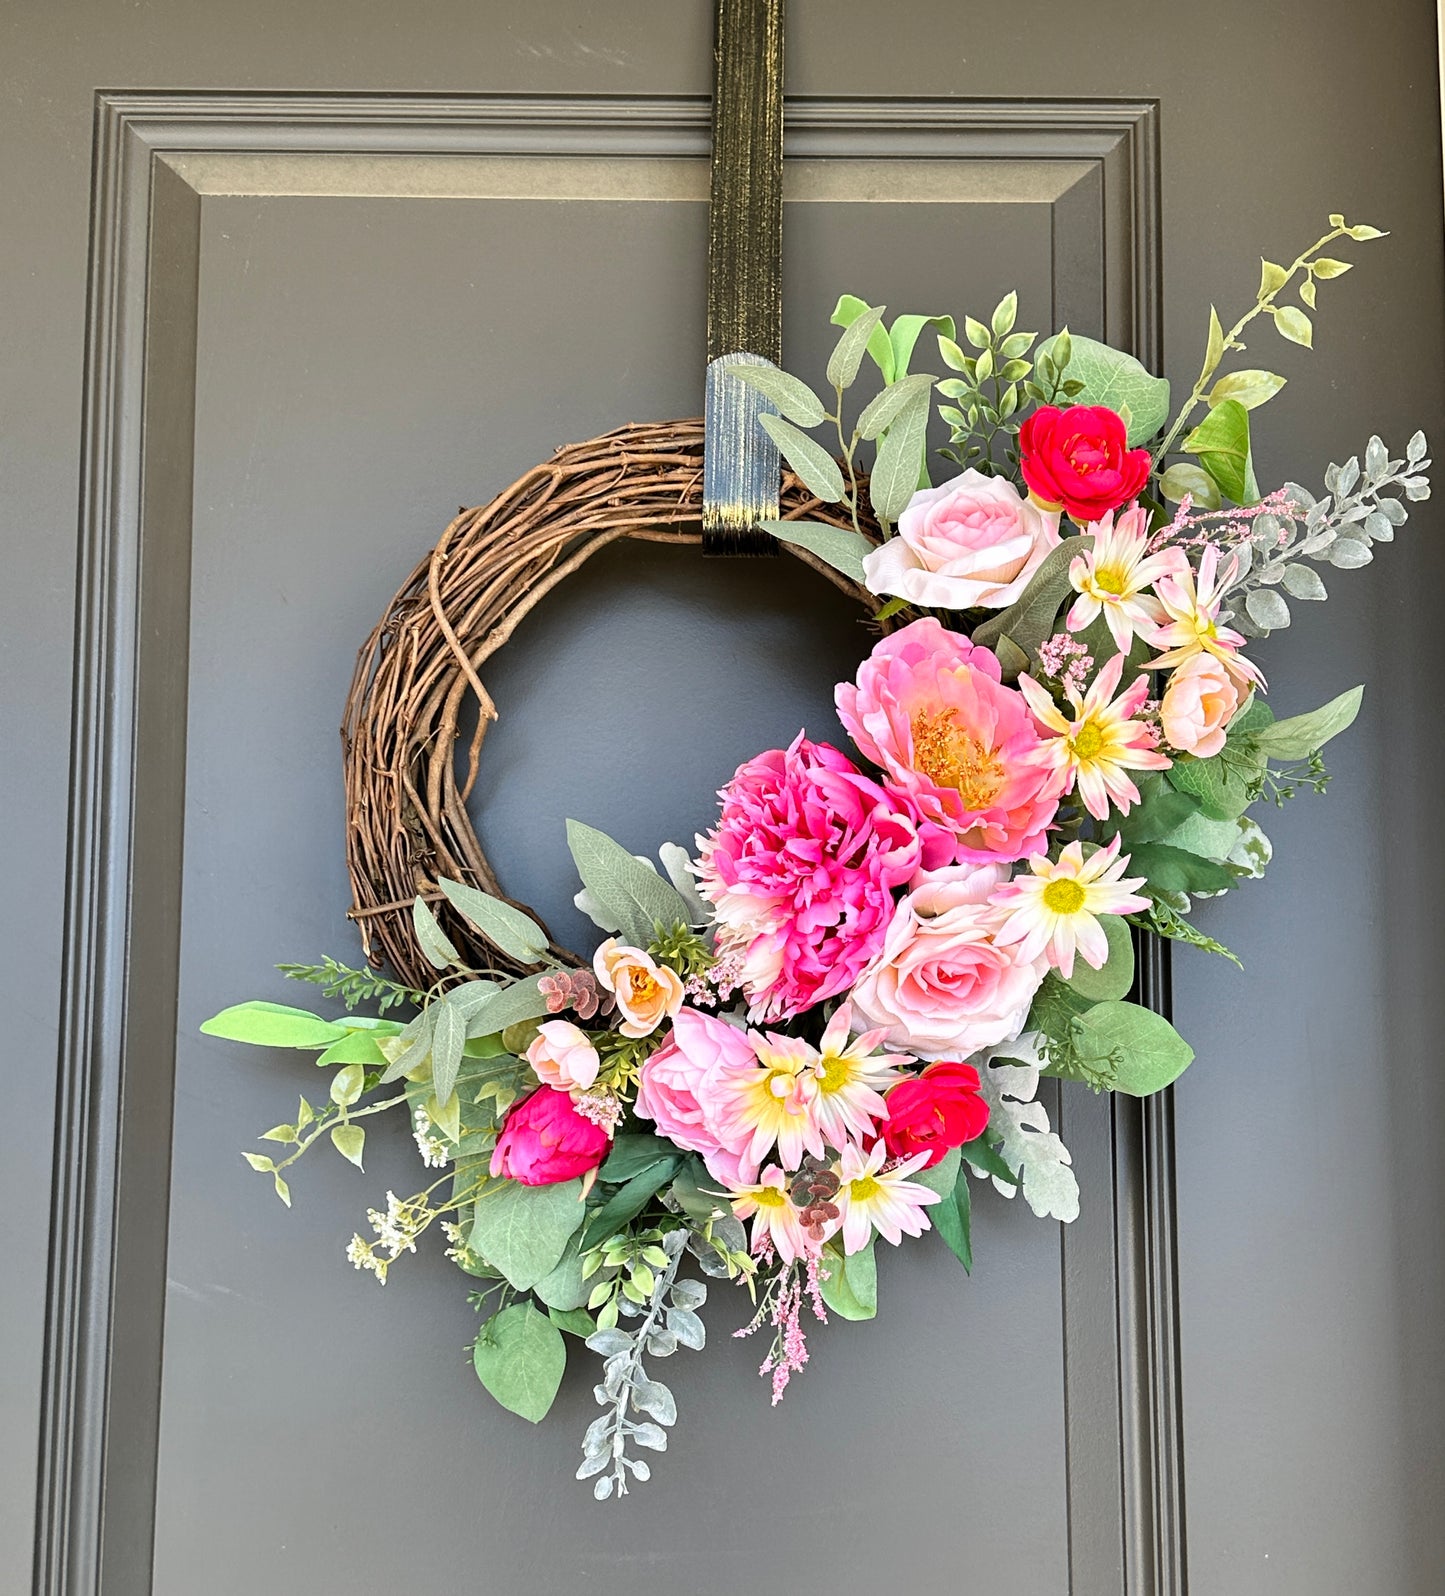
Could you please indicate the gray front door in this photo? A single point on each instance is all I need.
(351, 266)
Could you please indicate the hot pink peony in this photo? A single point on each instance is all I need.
(953, 741)
(799, 870)
(676, 1090)
(942, 986)
(545, 1140)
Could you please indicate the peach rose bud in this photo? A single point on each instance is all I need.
(562, 1057)
(647, 993)
(1198, 704)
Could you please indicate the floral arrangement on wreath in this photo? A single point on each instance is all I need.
(823, 1026)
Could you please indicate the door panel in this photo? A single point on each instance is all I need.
(343, 300)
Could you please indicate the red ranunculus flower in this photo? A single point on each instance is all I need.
(1080, 459)
(934, 1111)
(545, 1140)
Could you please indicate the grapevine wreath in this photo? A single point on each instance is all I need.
(822, 1024)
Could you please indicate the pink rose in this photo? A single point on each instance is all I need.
(675, 1090)
(545, 1140)
(942, 986)
(973, 541)
(562, 1056)
(959, 748)
(1198, 705)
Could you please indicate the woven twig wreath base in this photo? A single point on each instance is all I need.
(406, 787)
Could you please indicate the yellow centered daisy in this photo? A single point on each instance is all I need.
(1053, 909)
(1064, 896)
(861, 1191)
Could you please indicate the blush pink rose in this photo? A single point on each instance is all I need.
(800, 871)
(974, 541)
(1198, 704)
(959, 748)
(942, 987)
(562, 1056)
(676, 1086)
(545, 1140)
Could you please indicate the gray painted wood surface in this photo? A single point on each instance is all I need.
(1310, 1281)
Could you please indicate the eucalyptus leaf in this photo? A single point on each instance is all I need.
(1148, 1052)
(880, 347)
(431, 939)
(850, 1284)
(816, 468)
(633, 894)
(847, 354)
(523, 1230)
(1185, 478)
(563, 1287)
(517, 935)
(507, 1006)
(449, 1037)
(1117, 974)
(795, 399)
(1267, 609)
(838, 546)
(884, 408)
(520, 1357)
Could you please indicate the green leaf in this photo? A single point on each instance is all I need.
(1171, 869)
(1148, 1052)
(1055, 1006)
(630, 892)
(1250, 388)
(347, 1084)
(1271, 277)
(848, 309)
(632, 1152)
(563, 1288)
(431, 939)
(1117, 975)
(884, 408)
(795, 399)
(349, 1141)
(575, 1321)
(1163, 810)
(900, 455)
(517, 935)
(1013, 662)
(904, 334)
(260, 1163)
(357, 1047)
(950, 1218)
(982, 1155)
(838, 546)
(1112, 378)
(1323, 266)
(847, 354)
(1221, 441)
(523, 1230)
(628, 1201)
(283, 1191)
(520, 1357)
(1363, 231)
(850, 1284)
(1030, 621)
(816, 468)
(1222, 788)
(507, 1006)
(1005, 314)
(1294, 325)
(1214, 348)
(273, 1025)
(1303, 735)
(1182, 478)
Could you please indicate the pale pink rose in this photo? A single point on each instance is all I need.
(676, 1090)
(942, 987)
(1201, 699)
(647, 993)
(562, 1057)
(974, 541)
(957, 746)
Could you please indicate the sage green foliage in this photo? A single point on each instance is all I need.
(523, 1230)
(817, 469)
(516, 934)
(1144, 1051)
(850, 1283)
(1029, 622)
(1099, 375)
(431, 939)
(519, 1356)
(629, 892)
(1303, 735)
(630, 1199)
(840, 547)
(1117, 975)
(951, 1218)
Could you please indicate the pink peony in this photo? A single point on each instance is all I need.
(973, 541)
(799, 871)
(1198, 704)
(545, 1140)
(959, 747)
(942, 987)
(676, 1089)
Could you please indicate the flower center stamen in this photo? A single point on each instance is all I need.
(833, 1073)
(1087, 740)
(949, 757)
(1064, 895)
(768, 1197)
(1112, 579)
(859, 1191)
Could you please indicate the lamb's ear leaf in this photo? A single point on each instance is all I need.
(516, 934)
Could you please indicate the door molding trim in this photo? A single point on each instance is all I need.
(106, 1289)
